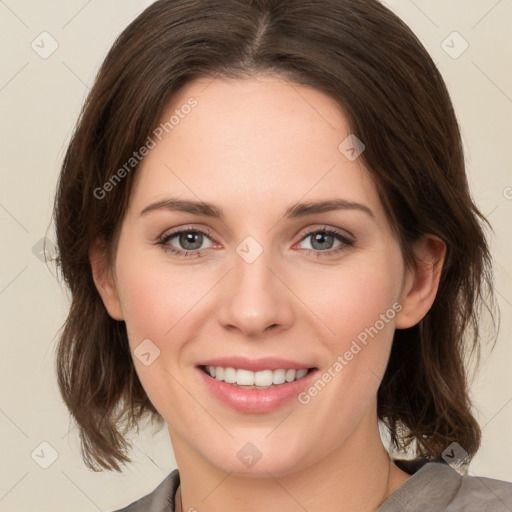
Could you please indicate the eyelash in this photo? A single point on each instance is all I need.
(346, 242)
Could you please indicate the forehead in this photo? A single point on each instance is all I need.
(251, 142)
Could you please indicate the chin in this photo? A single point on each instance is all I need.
(258, 458)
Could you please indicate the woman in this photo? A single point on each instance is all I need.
(264, 220)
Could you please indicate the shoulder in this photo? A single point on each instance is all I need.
(476, 491)
(437, 487)
(161, 499)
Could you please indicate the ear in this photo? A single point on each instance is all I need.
(422, 282)
(104, 280)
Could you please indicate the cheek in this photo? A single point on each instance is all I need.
(145, 308)
(158, 305)
(358, 297)
(162, 302)
(359, 306)
(155, 298)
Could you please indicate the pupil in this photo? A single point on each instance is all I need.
(187, 239)
(322, 238)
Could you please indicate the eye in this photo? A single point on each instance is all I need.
(188, 240)
(323, 241)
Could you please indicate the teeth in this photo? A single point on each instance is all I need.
(301, 373)
(261, 379)
(290, 375)
(230, 375)
(278, 376)
(244, 378)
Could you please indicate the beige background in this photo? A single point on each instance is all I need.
(40, 100)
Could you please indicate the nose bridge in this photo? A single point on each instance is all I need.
(255, 298)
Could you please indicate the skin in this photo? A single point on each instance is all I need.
(253, 147)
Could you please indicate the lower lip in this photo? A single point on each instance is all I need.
(256, 400)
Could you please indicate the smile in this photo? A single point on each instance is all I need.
(255, 386)
(264, 379)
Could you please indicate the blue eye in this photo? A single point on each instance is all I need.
(190, 241)
(322, 242)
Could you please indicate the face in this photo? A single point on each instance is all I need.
(263, 288)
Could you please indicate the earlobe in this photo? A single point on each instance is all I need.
(104, 280)
(422, 282)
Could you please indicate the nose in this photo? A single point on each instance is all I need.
(255, 299)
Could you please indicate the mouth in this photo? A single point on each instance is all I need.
(263, 379)
(255, 386)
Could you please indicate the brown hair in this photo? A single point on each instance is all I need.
(362, 55)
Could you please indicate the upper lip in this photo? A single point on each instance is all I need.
(255, 365)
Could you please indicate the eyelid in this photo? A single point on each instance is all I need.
(329, 229)
(170, 234)
(346, 241)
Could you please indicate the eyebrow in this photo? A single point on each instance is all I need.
(295, 210)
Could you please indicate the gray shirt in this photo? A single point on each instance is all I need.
(434, 487)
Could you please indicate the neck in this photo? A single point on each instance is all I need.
(356, 475)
